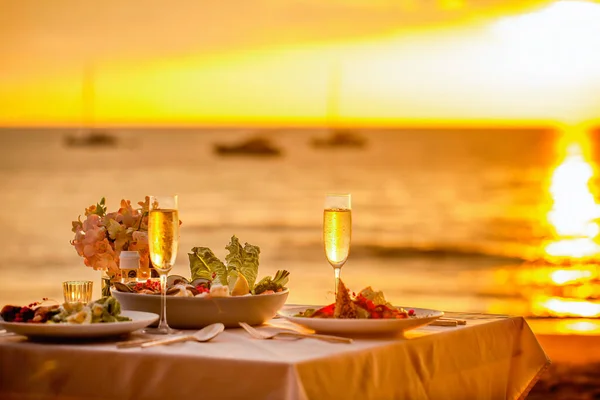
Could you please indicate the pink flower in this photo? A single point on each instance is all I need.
(101, 237)
(92, 221)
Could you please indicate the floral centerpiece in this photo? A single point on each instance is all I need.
(101, 237)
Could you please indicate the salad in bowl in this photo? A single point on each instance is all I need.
(226, 291)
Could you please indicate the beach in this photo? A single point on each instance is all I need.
(575, 370)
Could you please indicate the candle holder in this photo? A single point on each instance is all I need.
(78, 291)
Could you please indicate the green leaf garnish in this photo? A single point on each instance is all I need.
(203, 263)
(243, 259)
(101, 208)
(267, 283)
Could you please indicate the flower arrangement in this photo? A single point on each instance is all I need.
(101, 237)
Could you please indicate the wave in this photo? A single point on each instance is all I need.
(381, 251)
(296, 247)
(435, 251)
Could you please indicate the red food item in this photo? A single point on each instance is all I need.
(325, 312)
(17, 314)
(203, 288)
(380, 311)
(148, 285)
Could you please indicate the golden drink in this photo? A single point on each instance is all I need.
(163, 238)
(337, 232)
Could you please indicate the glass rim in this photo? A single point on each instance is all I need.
(77, 282)
(171, 200)
(338, 195)
(163, 195)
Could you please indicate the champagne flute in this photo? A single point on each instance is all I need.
(337, 231)
(163, 240)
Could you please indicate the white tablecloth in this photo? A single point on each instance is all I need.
(489, 358)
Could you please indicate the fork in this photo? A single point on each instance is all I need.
(255, 333)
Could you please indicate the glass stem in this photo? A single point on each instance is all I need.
(163, 302)
(337, 271)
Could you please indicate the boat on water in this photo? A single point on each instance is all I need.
(257, 146)
(95, 138)
(88, 134)
(340, 138)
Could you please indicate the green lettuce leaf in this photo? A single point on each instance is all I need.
(245, 259)
(376, 296)
(203, 263)
(236, 253)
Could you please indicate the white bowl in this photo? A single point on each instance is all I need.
(196, 312)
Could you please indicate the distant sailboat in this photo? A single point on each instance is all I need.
(88, 135)
(254, 146)
(338, 137)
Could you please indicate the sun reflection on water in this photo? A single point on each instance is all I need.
(568, 277)
(575, 211)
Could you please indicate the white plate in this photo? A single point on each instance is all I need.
(422, 317)
(139, 320)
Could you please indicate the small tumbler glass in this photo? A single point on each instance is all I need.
(78, 291)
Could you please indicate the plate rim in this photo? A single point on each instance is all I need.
(74, 327)
(228, 298)
(353, 320)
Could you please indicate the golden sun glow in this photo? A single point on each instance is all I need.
(575, 211)
(561, 307)
(570, 291)
(535, 68)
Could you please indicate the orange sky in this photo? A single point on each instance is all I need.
(272, 61)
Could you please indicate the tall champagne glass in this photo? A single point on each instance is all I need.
(337, 231)
(163, 240)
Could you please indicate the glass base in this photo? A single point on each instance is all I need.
(161, 331)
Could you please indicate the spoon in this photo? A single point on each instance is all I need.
(203, 335)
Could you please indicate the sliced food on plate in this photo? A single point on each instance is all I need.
(106, 309)
(367, 304)
(365, 312)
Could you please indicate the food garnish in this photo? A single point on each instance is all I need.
(276, 284)
(213, 278)
(240, 261)
(238, 273)
(106, 309)
(367, 304)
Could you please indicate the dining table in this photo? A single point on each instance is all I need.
(489, 357)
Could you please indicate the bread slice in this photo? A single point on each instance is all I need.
(344, 307)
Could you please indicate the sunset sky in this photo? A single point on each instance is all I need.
(272, 62)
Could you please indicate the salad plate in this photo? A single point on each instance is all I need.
(138, 320)
(420, 317)
(197, 312)
(217, 291)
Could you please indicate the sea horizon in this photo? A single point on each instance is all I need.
(455, 217)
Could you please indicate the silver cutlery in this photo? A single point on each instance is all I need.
(444, 321)
(203, 335)
(255, 333)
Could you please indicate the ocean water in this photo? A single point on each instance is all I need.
(441, 218)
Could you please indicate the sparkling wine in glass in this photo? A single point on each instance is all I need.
(337, 231)
(163, 240)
